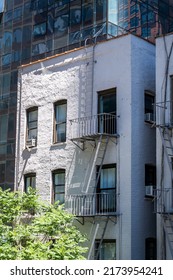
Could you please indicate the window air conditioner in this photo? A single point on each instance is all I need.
(149, 117)
(31, 143)
(149, 190)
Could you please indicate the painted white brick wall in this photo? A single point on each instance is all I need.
(163, 89)
(123, 63)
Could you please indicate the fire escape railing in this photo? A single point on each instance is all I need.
(92, 204)
(93, 125)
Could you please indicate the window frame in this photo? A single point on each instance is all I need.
(105, 241)
(100, 204)
(56, 124)
(148, 110)
(105, 124)
(28, 111)
(54, 192)
(150, 168)
(30, 176)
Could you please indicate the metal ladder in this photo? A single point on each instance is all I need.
(96, 156)
(97, 252)
(102, 237)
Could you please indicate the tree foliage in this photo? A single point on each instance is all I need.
(33, 230)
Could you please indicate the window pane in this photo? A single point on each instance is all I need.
(32, 116)
(107, 251)
(60, 122)
(32, 134)
(59, 186)
(61, 132)
(107, 178)
(30, 181)
(59, 179)
(2, 172)
(3, 128)
(61, 111)
(60, 198)
(2, 5)
(39, 29)
(107, 103)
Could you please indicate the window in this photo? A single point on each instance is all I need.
(2, 4)
(150, 179)
(107, 111)
(105, 251)
(59, 185)
(149, 107)
(39, 29)
(3, 128)
(2, 173)
(60, 111)
(150, 248)
(32, 119)
(29, 181)
(106, 189)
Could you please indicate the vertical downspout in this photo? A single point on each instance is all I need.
(18, 126)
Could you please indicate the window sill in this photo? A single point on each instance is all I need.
(58, 144)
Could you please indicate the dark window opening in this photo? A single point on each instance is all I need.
(150, 179)
(32, 122)
(59, 186)
(29, 181)
(106, 189)
(149, 107)
(150, 248)
(107, 111)
(60, 110)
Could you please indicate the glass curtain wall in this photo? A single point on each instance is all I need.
(34, 29)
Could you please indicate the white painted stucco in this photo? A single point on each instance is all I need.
(127, 64)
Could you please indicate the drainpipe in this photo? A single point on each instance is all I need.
(18, 129)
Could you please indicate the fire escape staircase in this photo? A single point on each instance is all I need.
(165, 134)
(99, 154)
(98, 130)
(97, 251)
(168, 228)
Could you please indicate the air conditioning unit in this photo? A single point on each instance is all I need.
(149, 190)
(30, 143)
(149, 117)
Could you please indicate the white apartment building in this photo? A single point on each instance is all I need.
(164, 122)
(85, 137)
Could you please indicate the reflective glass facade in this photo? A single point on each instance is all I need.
(34, 29)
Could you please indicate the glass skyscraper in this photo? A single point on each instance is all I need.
(35, 29)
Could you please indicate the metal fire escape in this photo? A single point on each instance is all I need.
(96, 130)
(164, 196)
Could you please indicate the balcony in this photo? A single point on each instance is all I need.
(93, 126)
(88, 205)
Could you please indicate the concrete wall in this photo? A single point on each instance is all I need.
(125, 64)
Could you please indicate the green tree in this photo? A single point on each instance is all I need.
(33, 230)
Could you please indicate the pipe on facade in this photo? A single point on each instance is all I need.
(18, 129)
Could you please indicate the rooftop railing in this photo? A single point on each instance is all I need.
(94, 125)
(98, 204)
